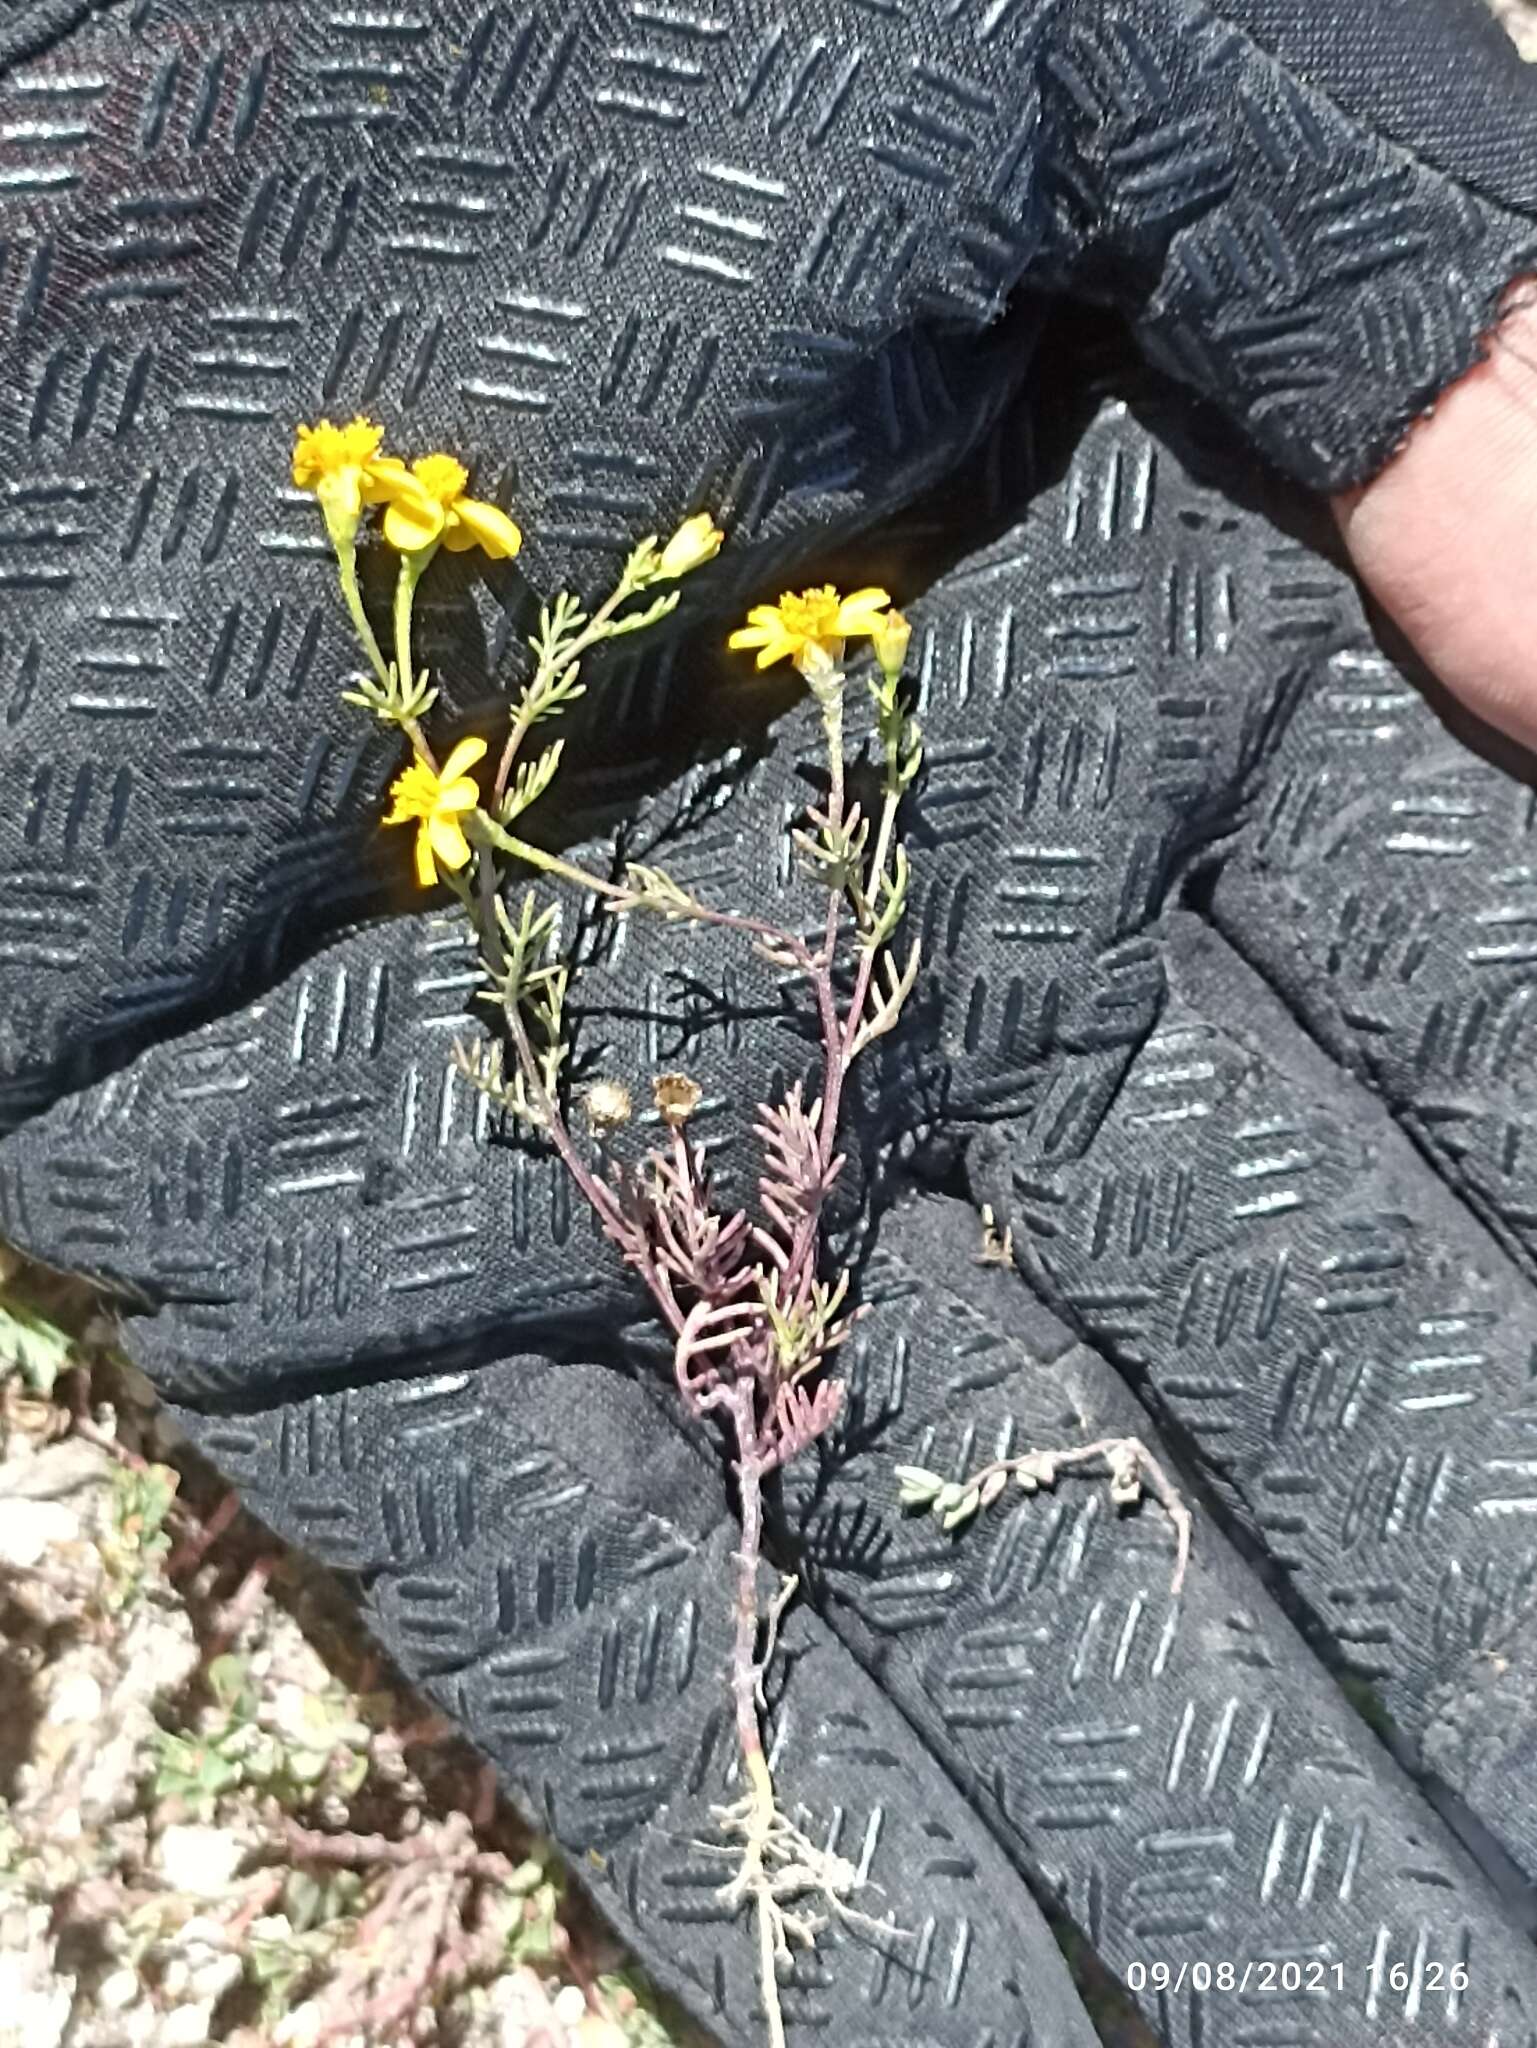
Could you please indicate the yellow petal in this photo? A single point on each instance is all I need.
(386, 477)
(776, 650)
(861, 612)
(412, 522)
(474, 524)
(461, 760)
(323, 449)
(753, 636)
(307, 465)
(448, 841)
(697, 541)
(458, 796)
(360, 438)
(426, 871)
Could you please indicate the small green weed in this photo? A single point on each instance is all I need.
(137, 1537)
(295, 1747)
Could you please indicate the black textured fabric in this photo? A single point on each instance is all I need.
(338, 1247)
(733, 258)
(1167, 1771)
(1438, 77)
(563, 1601)
(1225, 1005)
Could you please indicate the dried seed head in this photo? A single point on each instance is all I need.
(608, 1105)
(676, 1098)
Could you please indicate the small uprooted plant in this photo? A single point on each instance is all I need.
(753, 1315)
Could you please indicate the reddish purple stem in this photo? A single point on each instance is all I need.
(728, 1359)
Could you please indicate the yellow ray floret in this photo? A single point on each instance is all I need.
(441, 511)
(819, 619)
(437, 802)
(344, 469)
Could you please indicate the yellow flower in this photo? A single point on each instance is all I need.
(889, 640)
(344, 469)
(696, 542)
(440, 511)
(438, 803)
(817, 620)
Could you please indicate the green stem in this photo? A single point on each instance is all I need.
(827, 688)
(697, 913)
(412, 567)
(565, 657)
(601, 1198)
(516, 733)
(536, 857)
(413, 732)
(831, 703)
(352, 597)
(854, 1017)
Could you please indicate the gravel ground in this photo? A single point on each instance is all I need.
(222, 1818)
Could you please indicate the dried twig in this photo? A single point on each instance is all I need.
(422, 1937)
(1132, 1467)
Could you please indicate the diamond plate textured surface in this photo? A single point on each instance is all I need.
(310, 1179)
(1225, 1004)
(320, 1217)
(1385, 891)
(1411, 957)
(1349, 1357)
(630, 259)
(1178, 1773)
(564, 1605)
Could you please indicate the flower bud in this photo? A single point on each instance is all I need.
(890, 638)
(697, 541)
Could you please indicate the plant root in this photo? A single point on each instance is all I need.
(782, 1875)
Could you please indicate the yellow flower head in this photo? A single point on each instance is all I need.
(438, 802)
(440, 511)
(344, 469)
(324, 450)
(697, 541)
(814, 620)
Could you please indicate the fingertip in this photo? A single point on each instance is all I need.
(1445, 536)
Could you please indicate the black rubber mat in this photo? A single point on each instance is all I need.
(1226, 1005)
